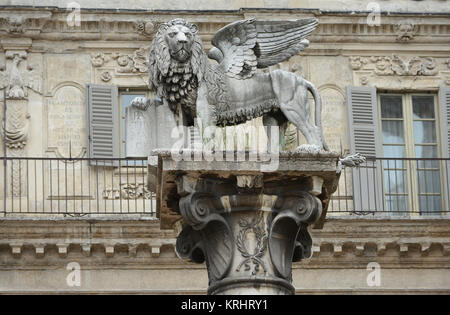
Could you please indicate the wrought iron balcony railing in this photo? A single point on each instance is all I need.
(77, 187)
(394, 186)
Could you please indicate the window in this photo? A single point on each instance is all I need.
(409, 128)
(125, 98)
(106, 114)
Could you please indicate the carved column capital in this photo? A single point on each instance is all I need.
(246, 222)
(246, 230)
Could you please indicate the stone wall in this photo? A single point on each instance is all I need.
(126, 255)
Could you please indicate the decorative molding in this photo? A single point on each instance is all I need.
(406, 30)
(146, 27)
(116, 64)
(396, 65)
(255, 226)
(51, 24)
(426, 241)
(248, 227)
(128, 191)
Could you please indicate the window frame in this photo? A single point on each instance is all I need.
(122, 134)
(409, 146)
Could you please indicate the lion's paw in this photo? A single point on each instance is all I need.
(308, 148)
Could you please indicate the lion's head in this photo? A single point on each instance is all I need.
(176, 48)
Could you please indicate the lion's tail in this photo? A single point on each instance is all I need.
(318, 110)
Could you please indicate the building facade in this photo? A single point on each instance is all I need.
(73, 193)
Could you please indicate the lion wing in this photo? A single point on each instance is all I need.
(250, 44)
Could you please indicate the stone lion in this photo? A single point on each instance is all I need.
(232, 91)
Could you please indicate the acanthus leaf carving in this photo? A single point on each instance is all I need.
(396, 65)
(135, 63)
(357, 62)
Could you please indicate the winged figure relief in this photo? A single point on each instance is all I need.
(16, 81)
(231, 90)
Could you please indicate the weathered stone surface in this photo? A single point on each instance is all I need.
(423, 268)
(288, 166)
(247, 224)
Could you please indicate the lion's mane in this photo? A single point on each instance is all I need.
(176, 82)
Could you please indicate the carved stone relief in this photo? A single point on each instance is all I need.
(405, 31)
(334, 117)
(146, 28)
(16, 135)
(385, 71)
(15, 77)
(115, 64)
(396, 65)
(67, 121)
(252, 254)
(128, 191)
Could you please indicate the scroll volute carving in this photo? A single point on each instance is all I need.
(289, 239)
(207, 235)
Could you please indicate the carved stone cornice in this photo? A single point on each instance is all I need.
(83, 235)
(342, 243)
(51, 24)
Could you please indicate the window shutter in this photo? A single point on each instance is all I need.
(365, 139)
(444, 93)
(444, 106)
(103, 113)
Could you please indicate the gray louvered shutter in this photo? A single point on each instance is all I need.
(103, 113)
(444, 106)
(365, 138)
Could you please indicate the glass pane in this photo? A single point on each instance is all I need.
(424, 132)
(430, 204)
(126, 101)
(393, 131)
(429, 182)
(393, 151)
(395, 181)
(423, 106)
(391, 106)
(397, 203)
(426, 151)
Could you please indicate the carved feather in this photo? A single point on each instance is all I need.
(249, 44)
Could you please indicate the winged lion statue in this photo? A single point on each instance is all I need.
(231, 90)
